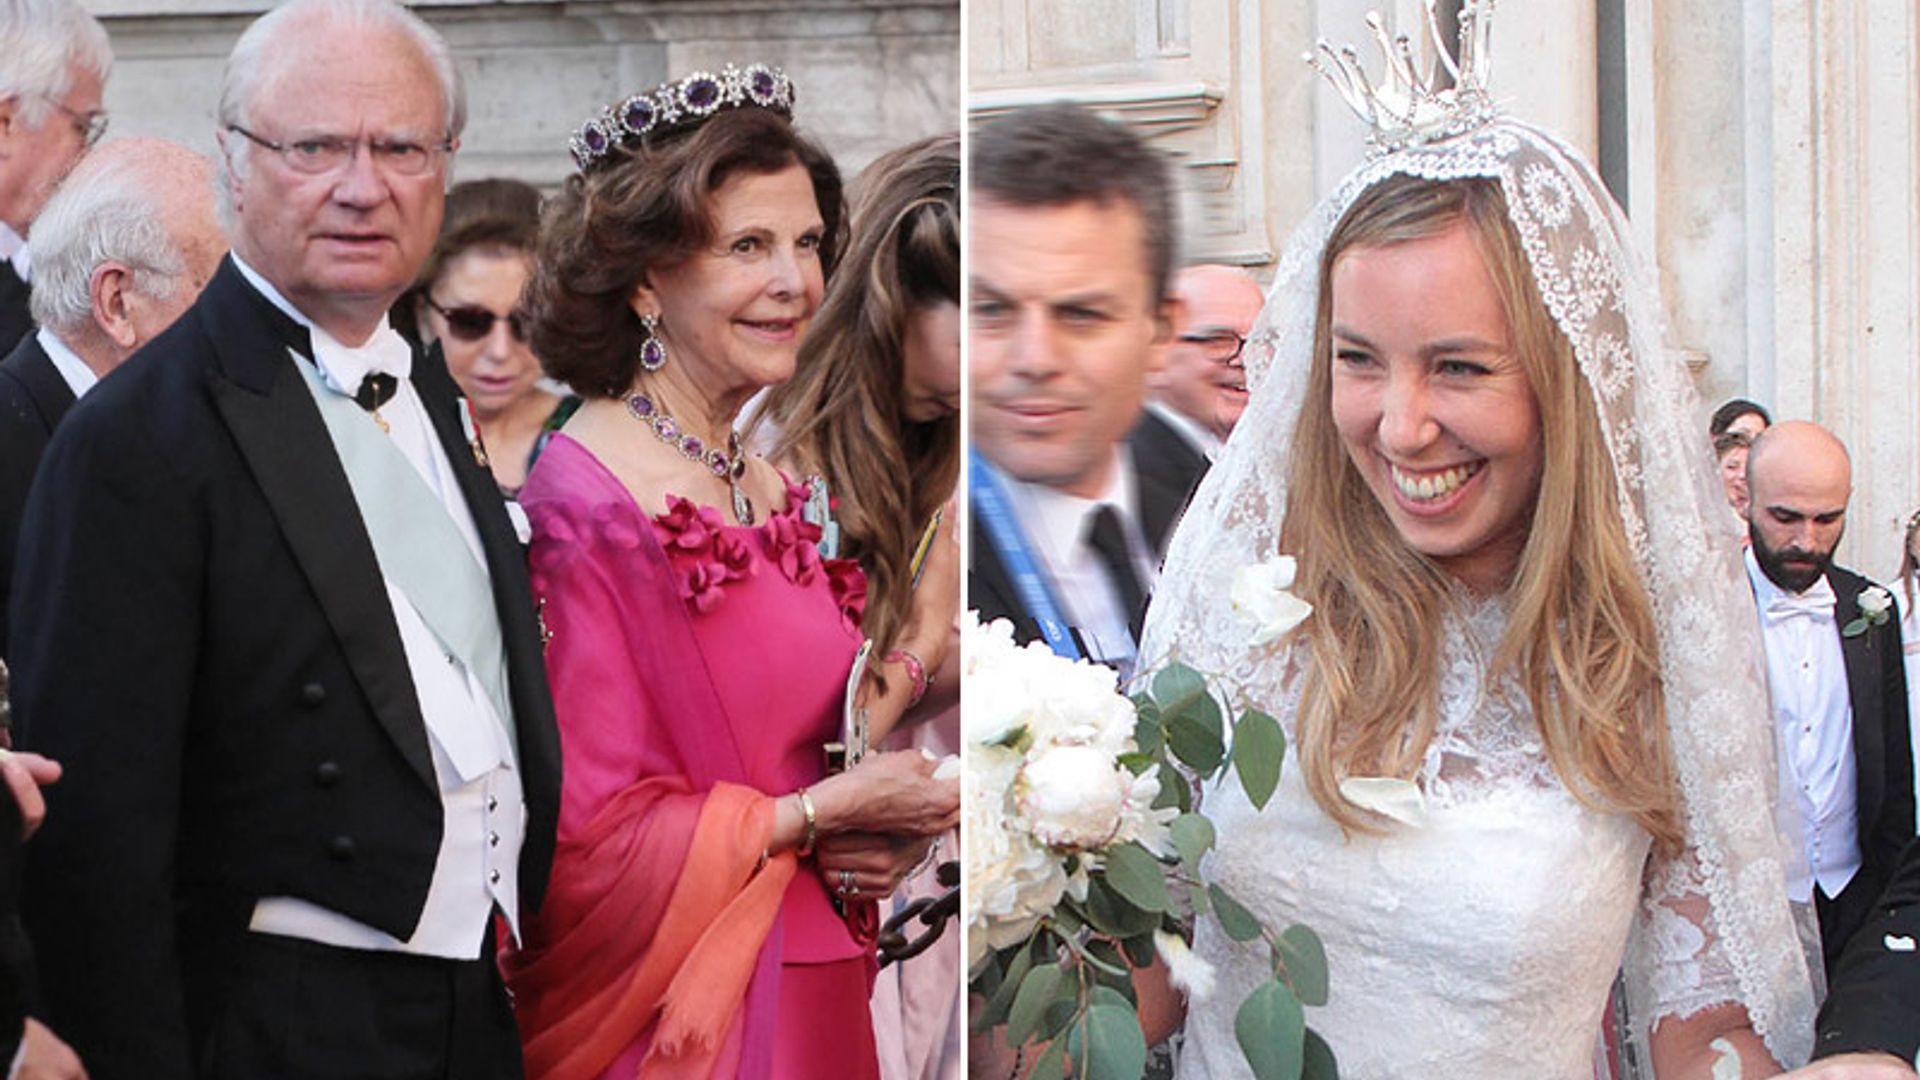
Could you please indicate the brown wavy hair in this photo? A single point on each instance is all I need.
(648, 206)
(842, 413)
(1580, 639)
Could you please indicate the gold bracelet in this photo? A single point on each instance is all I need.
(813, 823)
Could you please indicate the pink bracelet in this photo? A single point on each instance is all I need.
(916, 671)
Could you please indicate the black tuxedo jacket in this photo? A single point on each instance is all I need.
(1882, 753)
(203, 637)
(15, 322)
(33, 399)
(1873, 1002)
(1166, 469)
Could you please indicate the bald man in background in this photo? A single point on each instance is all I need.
(1838, 681)
(1202, 390)
(123, 248)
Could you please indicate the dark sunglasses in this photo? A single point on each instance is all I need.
(470, 322)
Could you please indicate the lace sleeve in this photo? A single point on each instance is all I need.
(1677, 950)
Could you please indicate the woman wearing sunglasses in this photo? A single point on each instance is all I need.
(468, 299)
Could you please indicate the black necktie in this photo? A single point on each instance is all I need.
(376, 390)
(1108, 538)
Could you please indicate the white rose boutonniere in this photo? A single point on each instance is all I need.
(1876, 607)
(1261, 597)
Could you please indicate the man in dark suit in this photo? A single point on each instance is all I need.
(122, 249)
(273, 618)
(1203, 389)
(52, 70)
(1073, 490)
(1835, 668)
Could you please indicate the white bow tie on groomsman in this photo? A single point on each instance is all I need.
(1816, 602)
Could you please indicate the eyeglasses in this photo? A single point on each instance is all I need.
(319, 155)
(90, 126)
(471, 322)
(1220, 346)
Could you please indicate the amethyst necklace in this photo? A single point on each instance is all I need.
(729, 464)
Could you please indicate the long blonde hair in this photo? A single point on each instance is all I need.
(1580, 638)
(842, 412)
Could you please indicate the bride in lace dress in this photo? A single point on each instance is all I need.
(1529, 745)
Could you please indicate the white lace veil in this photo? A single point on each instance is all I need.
(1605, 302)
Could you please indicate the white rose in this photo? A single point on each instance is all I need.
(1261, 598)
(1874, 601)
(1185, 970)
(1072, 796)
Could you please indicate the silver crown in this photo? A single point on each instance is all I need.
(1407, 108)
(674, 105)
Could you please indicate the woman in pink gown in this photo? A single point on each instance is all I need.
(711, 913)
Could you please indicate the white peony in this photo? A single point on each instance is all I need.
(1012, 880)
(1260, 597)
(1072, 796)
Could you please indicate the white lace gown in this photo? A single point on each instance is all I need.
(1480, 944)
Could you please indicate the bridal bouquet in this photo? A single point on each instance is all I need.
(1083, 847)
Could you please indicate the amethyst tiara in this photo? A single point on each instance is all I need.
(675, 105)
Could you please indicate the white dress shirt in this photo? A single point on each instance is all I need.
(484, 817)
(1813, 714)
(1056, 526)
(1198, 436)
(73, 370)
(13, 248)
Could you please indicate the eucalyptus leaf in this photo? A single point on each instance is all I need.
(1258, 748)
(1110, 995)
(1064, 1011)
(1037, 991)
(1195, 744)
(1237, 921)
(1177, 684)
(1148, 734)
(1138, 876)
(1105, 956)
(1116, 1050)
(1052, 1064)
(1319, 1064)
(1001, 999)
(1173, 790)
(1111, 914)
(1306, 963)
(1192, 837)
(1271, 1030)
(1197, 896)
(1136, 763)
(1140, 950)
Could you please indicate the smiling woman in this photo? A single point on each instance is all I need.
(721, 883)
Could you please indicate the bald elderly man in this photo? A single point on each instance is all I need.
(1202, 390)
(1839, 687)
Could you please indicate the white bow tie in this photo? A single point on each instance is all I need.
(1815, 603)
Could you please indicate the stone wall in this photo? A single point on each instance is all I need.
(871, 74)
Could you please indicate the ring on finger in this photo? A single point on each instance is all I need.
(847, 887)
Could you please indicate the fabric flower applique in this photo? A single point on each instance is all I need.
(704, 558)
(791, 542)
(849, 584)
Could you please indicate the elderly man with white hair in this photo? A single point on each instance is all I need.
(53, 68)
(271, 615)
(123, 248)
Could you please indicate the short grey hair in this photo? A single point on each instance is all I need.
(45, 39)
(256, 48)
(105, 212)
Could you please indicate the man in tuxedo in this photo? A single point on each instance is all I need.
(53, 67)
(1073, 489)
(1203, 389)
(272, 617)
(121, 250)
(1835, 668)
